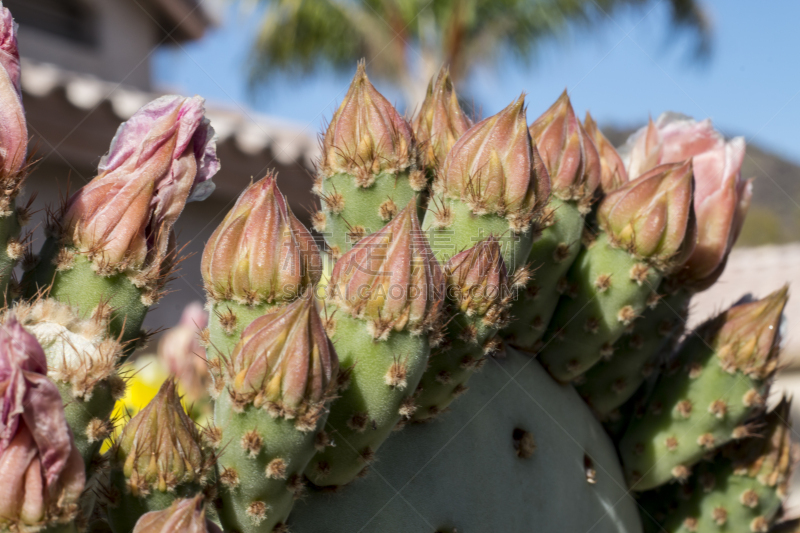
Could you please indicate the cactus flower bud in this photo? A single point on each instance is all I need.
(559, 137)
(367, 136)
(721, 196)
(391, 278)
(160, 447)
(13, 128)
(746, 337)
(162, 157)
(440, 121)
(285, 363)
(183, 516)
(652, 215)
(478, 281)
(184, 356)
(612, 174)
(41, 472)
(261, 252)
(493, 168)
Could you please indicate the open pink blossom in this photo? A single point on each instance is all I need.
(721, 196)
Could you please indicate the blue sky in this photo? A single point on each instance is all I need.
(622, 71)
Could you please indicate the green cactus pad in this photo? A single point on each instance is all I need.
(350, 211)
(550, 258)
(84, 289)
(89, 419)
(467, 471)
(717, 498)
(611, 383)
(607, 288)
(379, 379)
(226, 321)
(696, 406)
(465, 230)
(450, 368)
(261, 468)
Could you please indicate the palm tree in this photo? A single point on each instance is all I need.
(406, 41)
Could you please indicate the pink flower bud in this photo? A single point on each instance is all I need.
(746, 337)
(183, 355)
(478, 280)
(440, 121)
(721, 196)
(493, 168)
(559, 137)
(13, 128)
(160, 448)
(391, 278)
(260, 252)
(183, 516)
(285, 363)
(162, 157)
(652, 215)
(41, 471)
(367, 136)
(612, 170)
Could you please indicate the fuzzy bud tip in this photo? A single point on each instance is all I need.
(391, 278)
(261, 252)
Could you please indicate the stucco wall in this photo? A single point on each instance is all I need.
(126, 36)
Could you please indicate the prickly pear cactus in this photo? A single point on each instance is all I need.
(705, 398)
(369, 169)
(378, 319)
(449, 244)
(740, 490)
(271, 413)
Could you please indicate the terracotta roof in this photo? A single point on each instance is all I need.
(249, 131)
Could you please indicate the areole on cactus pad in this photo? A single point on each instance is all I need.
(535, 252)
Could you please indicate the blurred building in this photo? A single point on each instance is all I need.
(86, 67)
